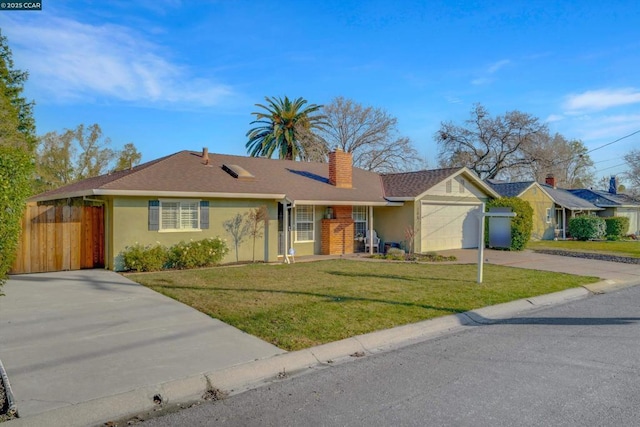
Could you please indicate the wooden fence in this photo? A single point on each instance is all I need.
(59, 238)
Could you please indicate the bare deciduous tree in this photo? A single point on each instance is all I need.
(489, 146)
(370, 135)
(632, 158)
(257, 219)
(567, 160)
(238, 227)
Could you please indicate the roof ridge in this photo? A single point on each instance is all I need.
(421, 171)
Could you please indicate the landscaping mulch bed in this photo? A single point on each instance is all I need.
(590, 255)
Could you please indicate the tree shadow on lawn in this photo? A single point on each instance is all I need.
(398, 277)
(331, 298)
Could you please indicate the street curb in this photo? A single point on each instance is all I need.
(251, 375)
(11, 402)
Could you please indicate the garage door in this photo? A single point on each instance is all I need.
(449, 226)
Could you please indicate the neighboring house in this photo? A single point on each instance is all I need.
(314, 208)
(441, 206)
(612, 203)
(552, 207)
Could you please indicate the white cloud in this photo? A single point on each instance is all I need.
(596, 100)
(554, 118)
(68, 60)
(497, 66)
(485, 78)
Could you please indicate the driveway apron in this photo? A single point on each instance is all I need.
(71, 337)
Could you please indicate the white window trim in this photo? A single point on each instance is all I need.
(548, 218)
(312, 222)
(366, 218)
(178, 230)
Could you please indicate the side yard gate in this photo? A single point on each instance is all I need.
(59, 238)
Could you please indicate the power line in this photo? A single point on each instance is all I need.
(611, 167)
(613, 142)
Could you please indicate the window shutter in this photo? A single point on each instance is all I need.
(154, 215)
(204, 214)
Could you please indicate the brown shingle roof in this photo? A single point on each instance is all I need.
(412, 184)
(185, 172)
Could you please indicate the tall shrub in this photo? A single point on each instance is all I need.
(587, 227)
(521, 224)
(17, 142)
(616, 227)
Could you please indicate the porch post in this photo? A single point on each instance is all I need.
(285, 230)
(564, 224)
(371, 230)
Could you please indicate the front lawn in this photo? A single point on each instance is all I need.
(305, 304)
(628, 248)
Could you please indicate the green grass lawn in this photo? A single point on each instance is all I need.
(305, 304)
(629, 248)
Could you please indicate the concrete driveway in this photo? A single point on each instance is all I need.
(72, 337)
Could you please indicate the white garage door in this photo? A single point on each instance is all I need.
(449, 226)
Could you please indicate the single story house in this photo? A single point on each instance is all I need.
(612, 203)
(552, 206)
(313, 208)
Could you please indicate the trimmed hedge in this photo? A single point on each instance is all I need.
(616, 227)
(521, 225)
(587, 228)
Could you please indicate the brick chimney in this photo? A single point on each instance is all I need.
(340, 169)
(550, 180)
(613, 185)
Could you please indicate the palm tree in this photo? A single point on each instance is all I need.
(279, 128)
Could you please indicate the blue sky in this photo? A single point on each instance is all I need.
(170, 75)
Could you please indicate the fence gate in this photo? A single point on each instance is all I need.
(59, 238)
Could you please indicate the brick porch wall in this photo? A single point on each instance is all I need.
(337, 233)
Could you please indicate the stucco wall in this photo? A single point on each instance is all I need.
(129, 222)
(540, 202)
(390, 222)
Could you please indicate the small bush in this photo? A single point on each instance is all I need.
(521, 224)
(616, 227)
(587, 228)
(201, 253)
(145, 258)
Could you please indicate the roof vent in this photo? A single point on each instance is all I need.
(238, 172)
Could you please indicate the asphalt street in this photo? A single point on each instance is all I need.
(575, 364)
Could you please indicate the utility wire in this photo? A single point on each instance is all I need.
(613, 142)
(610, 167)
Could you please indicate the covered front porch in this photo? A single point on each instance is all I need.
(336, 229)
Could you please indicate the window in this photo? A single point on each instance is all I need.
(548, 219)
(461, 186)
(304, 223)
(179, 215)
(448, 186)
(359, 215)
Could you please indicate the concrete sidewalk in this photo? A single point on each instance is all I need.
(72, 337)
(88, 347)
